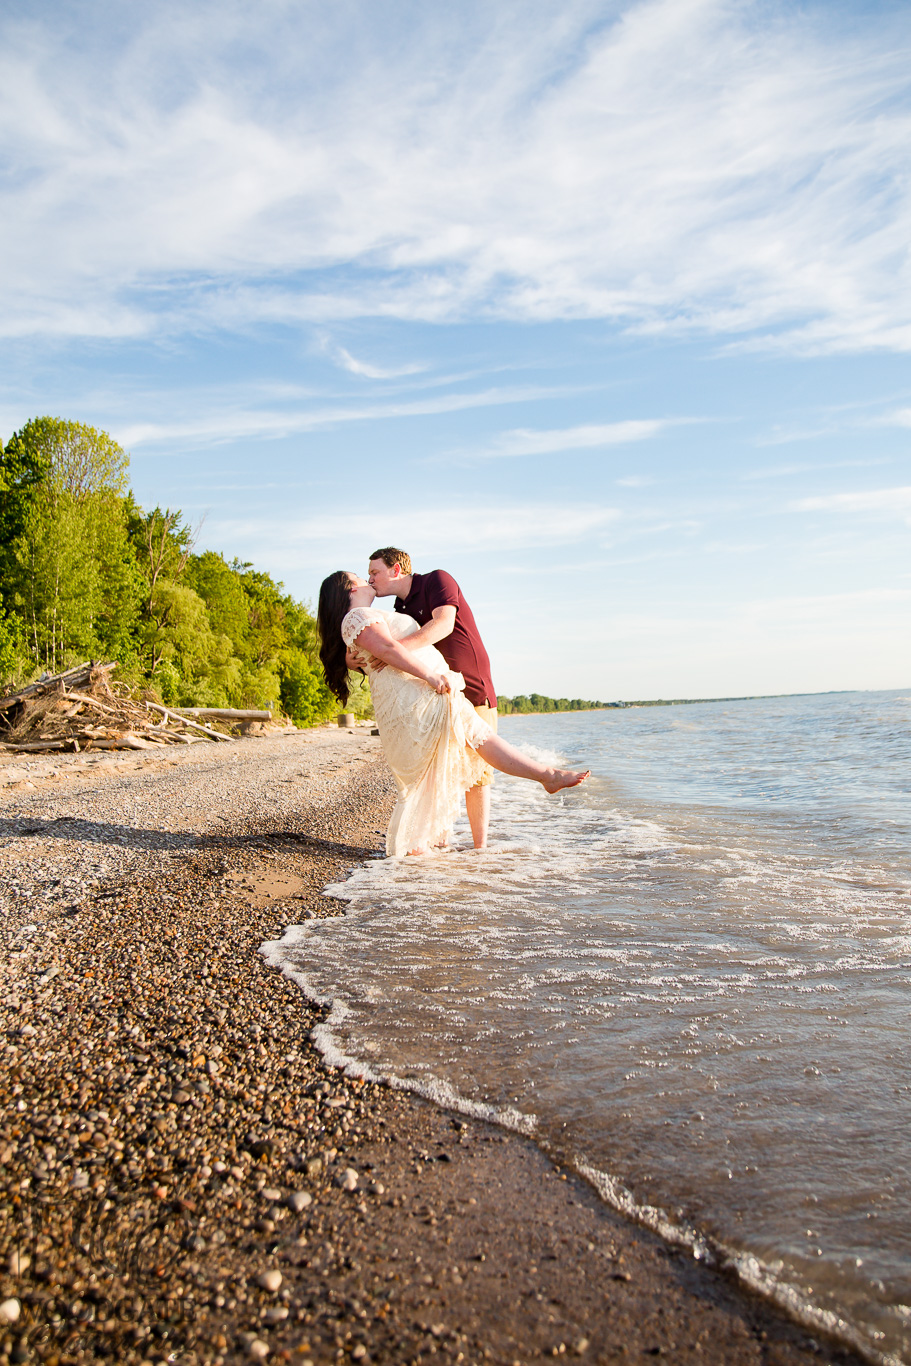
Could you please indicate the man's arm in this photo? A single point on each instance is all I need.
(438, 629)
(377, 640)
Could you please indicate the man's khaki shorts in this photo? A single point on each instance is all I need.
(489, 715)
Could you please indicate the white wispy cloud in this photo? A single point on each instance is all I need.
(900, 418)
(812, 467)
(534, 441)
(344, 358)
(670, 164)
(895, 501)
(221, 422)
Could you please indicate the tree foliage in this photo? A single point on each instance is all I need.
(534, 702)
(85, 572)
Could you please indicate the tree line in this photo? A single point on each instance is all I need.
(86, 573)
(534, 702)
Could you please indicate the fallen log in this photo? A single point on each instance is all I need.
(175, 716)
(39, 746)
(225, 713)
(126, 741)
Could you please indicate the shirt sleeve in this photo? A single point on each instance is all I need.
(440, 590)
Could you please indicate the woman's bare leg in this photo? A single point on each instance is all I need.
(502, 756)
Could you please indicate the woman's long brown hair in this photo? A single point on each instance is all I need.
(334, 605)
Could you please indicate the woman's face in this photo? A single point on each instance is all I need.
(359, 590)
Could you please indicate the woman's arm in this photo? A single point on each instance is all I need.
(377, 639)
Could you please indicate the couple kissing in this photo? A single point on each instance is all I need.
(432, 693)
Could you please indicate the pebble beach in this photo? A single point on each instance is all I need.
(183, 1179)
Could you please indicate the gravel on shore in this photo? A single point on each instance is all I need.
(183, 1180)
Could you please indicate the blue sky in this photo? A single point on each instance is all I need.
(604, 307)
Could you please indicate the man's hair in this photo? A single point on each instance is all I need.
(390, 557)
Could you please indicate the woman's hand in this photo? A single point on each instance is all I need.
(439, 682)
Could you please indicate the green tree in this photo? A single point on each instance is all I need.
(67, 570)
(162, 544)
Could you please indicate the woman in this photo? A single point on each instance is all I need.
(433, 738)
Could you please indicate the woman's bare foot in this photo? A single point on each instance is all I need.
(558, 778)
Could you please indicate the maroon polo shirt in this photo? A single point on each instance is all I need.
(463, 649)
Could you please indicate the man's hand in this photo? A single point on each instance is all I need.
(439, 628)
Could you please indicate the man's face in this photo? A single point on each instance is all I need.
(383, 578)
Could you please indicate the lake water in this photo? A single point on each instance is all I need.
(688, 978)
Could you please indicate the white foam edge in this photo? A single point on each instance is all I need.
(441, 1092)
(748, 1269)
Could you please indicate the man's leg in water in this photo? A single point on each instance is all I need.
(477, 804)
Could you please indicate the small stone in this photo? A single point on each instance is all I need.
(299, 1201)
(271, 1194)
(9, 1311)
(276, 1314)
(219, 1168)
(205, 1172)
(181, 1097)
(359, 1352)
(80, 1181)
(19, 1263)
(257, 1349)
(269, 1280)
(314, 1166)
(237, 1173)
(581, 1347)
(347, 1179)
(377, 1188)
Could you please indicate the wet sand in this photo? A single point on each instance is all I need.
(181, 1177)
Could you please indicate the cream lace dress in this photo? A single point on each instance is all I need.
(428, 738)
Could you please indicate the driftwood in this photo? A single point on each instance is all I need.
(224, 713)
(80, 674)
(78, 710)
(39, 746)
(175, 716)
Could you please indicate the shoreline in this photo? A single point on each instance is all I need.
(149, 1044)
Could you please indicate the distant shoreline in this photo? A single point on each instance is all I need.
(683, 701)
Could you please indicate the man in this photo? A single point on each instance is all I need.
(446, 621)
